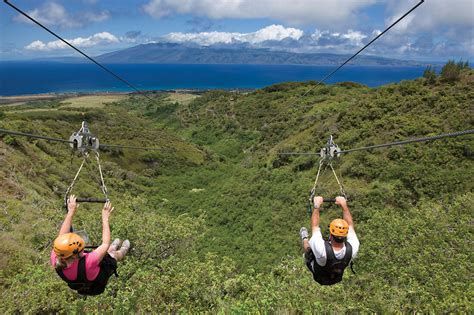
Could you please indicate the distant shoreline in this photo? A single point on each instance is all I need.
(51, 80)
(8, 100)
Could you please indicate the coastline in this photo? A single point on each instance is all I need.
(16, 99)
(11, 100)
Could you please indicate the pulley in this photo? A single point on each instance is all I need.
(84, 140)
(327, 156)
(331, 150)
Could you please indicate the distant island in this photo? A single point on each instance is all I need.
(169, 53)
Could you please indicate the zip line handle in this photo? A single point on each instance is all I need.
(329, 201)
(91, 200)
(332, 201)
(88, 200)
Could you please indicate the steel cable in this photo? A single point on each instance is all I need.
(377, 146)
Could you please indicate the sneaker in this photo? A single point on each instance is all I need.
(303, 233)
(115, 244)
(125, 246)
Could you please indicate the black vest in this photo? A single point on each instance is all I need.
(332, 272)
(108, 266)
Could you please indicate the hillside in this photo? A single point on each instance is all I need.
(214, 217)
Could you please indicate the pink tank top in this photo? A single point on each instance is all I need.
(92, 266)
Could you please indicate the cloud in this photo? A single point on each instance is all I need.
(323, 12)
(354, 37)
(81, 42)
(437, 28)
(96, 17)
(326, 41)
(269, 33)
(433, 14)
(54, 14)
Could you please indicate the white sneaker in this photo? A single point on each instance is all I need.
(115, 244)
(125, 246)
(303, 233)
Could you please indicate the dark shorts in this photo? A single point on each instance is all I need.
(108, 267)
(309, 258)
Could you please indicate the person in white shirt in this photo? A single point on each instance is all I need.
(327, 259)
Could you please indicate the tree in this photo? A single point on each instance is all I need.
(429, 75)
(450, 72)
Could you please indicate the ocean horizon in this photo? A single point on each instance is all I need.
(26, 78)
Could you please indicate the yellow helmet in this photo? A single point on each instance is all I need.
(66, 245)
(339, 228)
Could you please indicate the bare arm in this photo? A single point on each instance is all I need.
(346, 214)
(102, 249)
(71, 210)
(317, 201)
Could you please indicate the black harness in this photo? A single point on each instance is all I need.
(108, 267)
(332, 271)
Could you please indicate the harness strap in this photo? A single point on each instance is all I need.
(341, 188)
(74, 180)
(331, 256)
(81, 271)
(321, 161)
(102, 182)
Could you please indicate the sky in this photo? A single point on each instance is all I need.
(437, 31)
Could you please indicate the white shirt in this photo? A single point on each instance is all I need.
(319, 250)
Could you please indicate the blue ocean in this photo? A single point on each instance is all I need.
(21, 78)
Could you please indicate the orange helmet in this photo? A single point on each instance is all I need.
(66, 245)
(339, 228)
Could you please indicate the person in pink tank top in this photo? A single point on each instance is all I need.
(86, 272)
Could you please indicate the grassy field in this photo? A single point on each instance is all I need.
(181, 98)
(92, 101)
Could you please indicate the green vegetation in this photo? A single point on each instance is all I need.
(214, 216)
(452, 70)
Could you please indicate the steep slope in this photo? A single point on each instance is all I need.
(267, 192)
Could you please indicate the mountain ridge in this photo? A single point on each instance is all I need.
(169, 53)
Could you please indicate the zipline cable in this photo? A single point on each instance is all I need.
(79, 51)
(29, 135)
(424, 139)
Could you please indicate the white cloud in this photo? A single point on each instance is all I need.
(54, 14)
(269, 33)
(323, 12)
(81, 42)
(433, 14)
(49, 14)
(437, 28)
(354, 37)
(37, 45)
(323, 40)
(96, 17)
